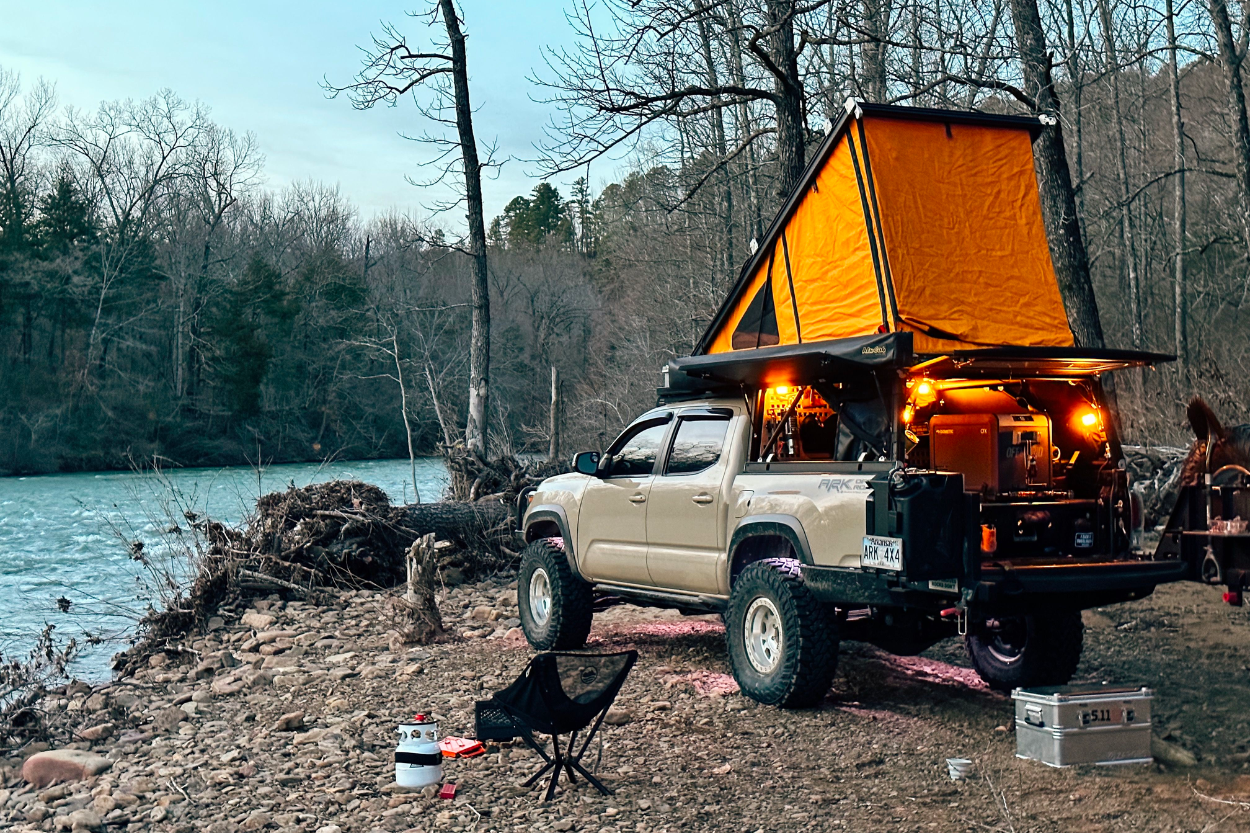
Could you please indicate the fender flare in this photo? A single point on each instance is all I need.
(553, 512)
(776, 526)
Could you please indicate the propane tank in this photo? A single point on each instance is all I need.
(418, 760)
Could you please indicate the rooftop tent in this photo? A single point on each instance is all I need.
(906, 220)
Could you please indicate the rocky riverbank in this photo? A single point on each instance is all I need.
(282, 717)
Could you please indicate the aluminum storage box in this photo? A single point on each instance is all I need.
(1083, 724)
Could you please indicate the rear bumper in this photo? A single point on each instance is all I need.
(1079, 585)
(1003, 587)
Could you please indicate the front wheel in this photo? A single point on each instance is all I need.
(556, 605)
(783, 644)
(1024, 651)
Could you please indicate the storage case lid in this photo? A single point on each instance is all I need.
(1080, 691)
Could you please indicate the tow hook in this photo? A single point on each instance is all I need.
(960, 615)
(960, 612)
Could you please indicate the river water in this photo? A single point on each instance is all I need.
(63, 536)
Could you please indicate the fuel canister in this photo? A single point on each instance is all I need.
(418, 759)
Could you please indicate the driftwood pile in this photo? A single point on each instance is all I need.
(1155, 474)
(342, 534)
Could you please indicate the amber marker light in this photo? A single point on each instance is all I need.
(924, 392)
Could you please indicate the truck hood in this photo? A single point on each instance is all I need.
(569, 482)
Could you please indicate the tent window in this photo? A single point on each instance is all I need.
(758, 327)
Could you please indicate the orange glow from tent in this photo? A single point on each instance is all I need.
(924, 389)
(1089, 419)
(781, 390)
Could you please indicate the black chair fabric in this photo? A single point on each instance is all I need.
(565, 693)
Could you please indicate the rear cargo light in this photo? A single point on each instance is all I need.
(1233, 597)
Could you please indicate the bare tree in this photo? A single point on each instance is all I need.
(1231, 54)
(615, 86)
(392, 70)
(22, 122)
(1179, 293)
(1128, 257)
(1067, 248)
(134, 152)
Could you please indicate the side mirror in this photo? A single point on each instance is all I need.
(586, 462)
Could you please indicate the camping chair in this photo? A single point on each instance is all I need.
(562, 693)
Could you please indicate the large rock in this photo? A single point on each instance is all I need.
(290, 722)
(94, 733)
(44, 768)
(258, 621)
(84, 819)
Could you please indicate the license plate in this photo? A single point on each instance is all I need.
(882, 553)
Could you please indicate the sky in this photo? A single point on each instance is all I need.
(259, 65)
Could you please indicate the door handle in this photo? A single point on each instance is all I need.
(637, 498)
(702, 499)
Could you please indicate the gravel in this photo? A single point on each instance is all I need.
(307, 744)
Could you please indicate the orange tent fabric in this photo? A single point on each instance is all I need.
(829, 256)
(953, 211)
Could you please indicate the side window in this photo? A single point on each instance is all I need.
(635, 455)
(697, 446)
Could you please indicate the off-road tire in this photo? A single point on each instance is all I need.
(1049, 656)
(808, 652)
(567, 623)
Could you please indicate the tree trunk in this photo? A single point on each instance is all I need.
(1076, 79)
(744, 120)
(874, 81)
(1067, 249)
(479, 339)
(459, 521)
(553, 448)
(1181, 322)
(722, 150)
(1231, 61)
(791, 130)
(1126, 215)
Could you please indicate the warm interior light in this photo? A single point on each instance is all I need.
(924, 393)
(781, 390)
(908, 413)
(1089, 419)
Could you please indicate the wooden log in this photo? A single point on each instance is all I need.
(459, 521)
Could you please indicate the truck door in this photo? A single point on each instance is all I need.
(612, 524)
(684, 516)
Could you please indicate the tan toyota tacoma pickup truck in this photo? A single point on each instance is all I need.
(850, 489)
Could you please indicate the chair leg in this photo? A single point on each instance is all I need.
(592, 779)
(558, 762)
(535, 745)
(533, 779)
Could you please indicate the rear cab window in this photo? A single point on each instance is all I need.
(698, 443)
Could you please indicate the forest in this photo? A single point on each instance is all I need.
(156, 300)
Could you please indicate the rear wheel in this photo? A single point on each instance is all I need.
(1023, 651)
(555, 604)
(783, 644)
